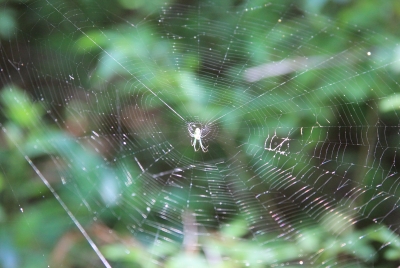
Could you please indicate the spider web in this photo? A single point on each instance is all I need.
(299, 114)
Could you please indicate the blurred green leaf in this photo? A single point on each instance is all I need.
(186, 260)
(7, 23)
(134, 256)
(392, 254)
(19, 107)
(237, 228)
(391, 103)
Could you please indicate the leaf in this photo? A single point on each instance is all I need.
(391, 103)
(19, 108)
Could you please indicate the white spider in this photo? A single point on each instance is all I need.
(197, 137)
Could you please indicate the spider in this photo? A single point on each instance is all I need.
(197, 136)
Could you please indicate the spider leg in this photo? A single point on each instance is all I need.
(190, 132)
(204, 149)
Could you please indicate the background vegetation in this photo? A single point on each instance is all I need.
(35, 230)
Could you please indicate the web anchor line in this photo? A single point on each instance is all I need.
(115, 60)
(63, 205)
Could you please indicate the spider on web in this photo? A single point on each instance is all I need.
(198, 133)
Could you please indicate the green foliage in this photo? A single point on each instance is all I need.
(33, 224)
(7, 23)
